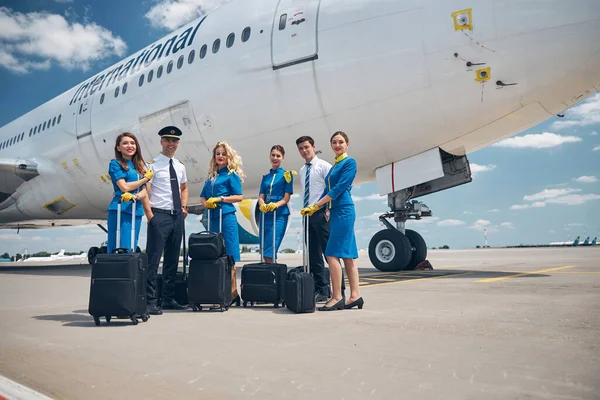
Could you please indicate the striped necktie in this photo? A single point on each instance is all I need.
(306, 185)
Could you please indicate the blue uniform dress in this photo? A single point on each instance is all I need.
(226, 183)
(274, 187)
(116, 172)
(342, 242)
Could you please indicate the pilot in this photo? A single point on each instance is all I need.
(223, 188)
(342, 241)
(166, 209)
(276, 189)
(129, 177)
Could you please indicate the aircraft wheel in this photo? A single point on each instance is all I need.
(419, 248)
(390, 250)
(92, 253)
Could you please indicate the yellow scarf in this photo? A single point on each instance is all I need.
(340, 158)
(288, 175)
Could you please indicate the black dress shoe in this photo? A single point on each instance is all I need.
(356, 303)
(172, 305)
(320, 298)
(153, 310)
(337, 306)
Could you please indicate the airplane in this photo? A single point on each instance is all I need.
(60, 256)
(416, 84)
(567, 243)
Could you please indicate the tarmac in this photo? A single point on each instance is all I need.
(484, 324)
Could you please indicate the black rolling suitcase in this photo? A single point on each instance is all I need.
(209, 281)
(118, 284)
(300, 285)
(264, 282)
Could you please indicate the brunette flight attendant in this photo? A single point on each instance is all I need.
(223, 188)
(275, 191)
(129, 177)
(342, 242)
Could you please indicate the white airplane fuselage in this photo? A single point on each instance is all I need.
(392, 74)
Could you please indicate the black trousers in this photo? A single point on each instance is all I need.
(164, 233)
(318, 236)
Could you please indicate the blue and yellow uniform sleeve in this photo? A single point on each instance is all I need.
(263, 189)
(289, 186)
(235, 184)
(115, 171)
(347, 175)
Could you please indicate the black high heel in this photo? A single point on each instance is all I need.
(356, 303)
(237, 301)
(337, 306)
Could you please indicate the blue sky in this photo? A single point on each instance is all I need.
(538, 187)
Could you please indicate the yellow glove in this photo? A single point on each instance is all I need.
(310, 210)
(288, 175)
(264, 208)
(149, 174)
(212, 202)
(127, 197)
(272, 206)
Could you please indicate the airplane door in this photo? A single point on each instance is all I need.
(192, 151)
(294, 33)
(84, 118)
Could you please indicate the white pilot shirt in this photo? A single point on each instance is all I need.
(318, 171)
(160, 192)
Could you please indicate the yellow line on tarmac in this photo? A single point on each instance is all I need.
(414, 280)
(501, 278)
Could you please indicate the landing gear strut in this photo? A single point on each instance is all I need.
(397, 248)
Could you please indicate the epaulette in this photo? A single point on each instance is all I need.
(151, 162)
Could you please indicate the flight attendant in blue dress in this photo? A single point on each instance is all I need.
(342, 242)
(129, 177)
(276, 189)
(223, 188)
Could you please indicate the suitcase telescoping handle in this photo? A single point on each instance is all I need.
(305, 247)
(118, 246)
(262, 237)
(220, 219)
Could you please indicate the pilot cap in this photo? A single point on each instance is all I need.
(170, 132)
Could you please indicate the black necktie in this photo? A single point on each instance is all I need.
(174, 187)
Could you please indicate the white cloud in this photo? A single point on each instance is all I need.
(36, 40)
(574, 224)
(171, 14)
(507, 225)
(451, 222)
(494, 210)
(574, 199)
(426, 220)
(585, 114)
(537, 141)
(549, 193)
(552, 231)
(594, 133)
(374, 196)
(597, 148)
(586, 179)
(537, 204)
(480, 224)
(64, 1)
(467, 212)
(476, 168)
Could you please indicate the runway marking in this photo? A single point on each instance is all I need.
(578, 272)
(541, 271)
(10, 389)
(424, 278)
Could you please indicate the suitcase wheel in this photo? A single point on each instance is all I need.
(134, 320)
(107, 319)
(196, 307)
(145, 318)
(245, 304)
(276, 305)
(97, 321)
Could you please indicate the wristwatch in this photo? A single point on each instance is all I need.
(222, 198)
(184, 207)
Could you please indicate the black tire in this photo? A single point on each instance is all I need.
(419, 248)
(134, 320)
(245, 304)
(92, 253)
(144, 318)
(390, 250)
(107, 320)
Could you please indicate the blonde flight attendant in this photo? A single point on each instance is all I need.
(223, 188)
(342, 242)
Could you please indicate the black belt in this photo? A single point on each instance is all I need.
(170, 212)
